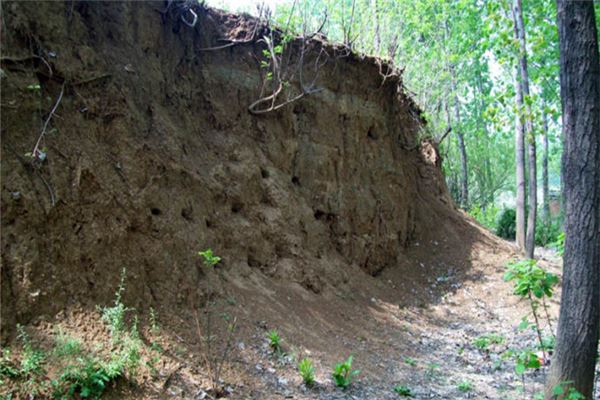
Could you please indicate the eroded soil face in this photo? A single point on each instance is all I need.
(333, 224)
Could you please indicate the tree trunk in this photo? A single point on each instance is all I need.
(520, 166)
(377, 36)
(579, 321)
(545, 185)
(524, 87)
(464, 180)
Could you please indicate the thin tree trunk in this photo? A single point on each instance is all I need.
(520, 166)
(464, 181)
(579, 320)
(545, 185)
(377, 36)
(532, 212)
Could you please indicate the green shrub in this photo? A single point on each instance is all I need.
(465, 386)
(483, 342)
(485, 216)
(547, 233)
(506, 225)
(307, 371)
(559, 244)
(87, 378)
(274, 341)
(403, 391)
(343, 373)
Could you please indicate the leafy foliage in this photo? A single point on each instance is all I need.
(506, 227)
(530, 279)
(403, 390)
(210, 260)
(307, 371)
(274, 341)
(343, 373)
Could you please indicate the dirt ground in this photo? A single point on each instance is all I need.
(331, 216)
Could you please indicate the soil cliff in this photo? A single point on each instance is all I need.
(152, 154)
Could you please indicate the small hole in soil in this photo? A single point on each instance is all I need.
(236, 207)
(155, 211)
(319, 214)
(296, 180)
(264, 173)
(208, 223)
(371, 134)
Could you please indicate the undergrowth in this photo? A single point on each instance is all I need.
(72, 369)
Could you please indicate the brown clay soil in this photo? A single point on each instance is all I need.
(333, 223)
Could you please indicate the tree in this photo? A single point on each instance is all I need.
(523, 87)
(579, 320)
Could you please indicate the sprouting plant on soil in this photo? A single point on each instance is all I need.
(209, 259)
(67, 346)
(343, 373)
(464, 386)
(432, 370)
(35, 87)
(214, 356)
(483, 342)
(403, 390)
(534, 284)
(154, 327)
(274, 341)
(410, 361)
(307, 371)
(114, 316)
(568, 393)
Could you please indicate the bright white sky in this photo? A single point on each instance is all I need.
(248, 6)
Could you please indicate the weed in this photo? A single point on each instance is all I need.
(154, 327)
(7, 368)
(274, 341)
(483, 342)
(570, 393)
(214, 356)
(464, 386)
(410, 361)
(210, 260)
(533, 283)
(403, 391)
(307, 371)
(432, 370)
(66, 346)
(114, 316)
(343, 373)
(88, 378)
(32, 359)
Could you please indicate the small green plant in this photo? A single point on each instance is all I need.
(403, 390)
(483, 342)
(410, 361)
(307, 371)
(559, 244)
(343, 373)
(534, 284)
(569, 393)
(114, 316)
(432, 370)
(526, 359)
(32, 359)
(464, 386)
(210, 260)
(67, 346)
(7, 368)
(88, 378)
(274, 341)
(154, 327)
